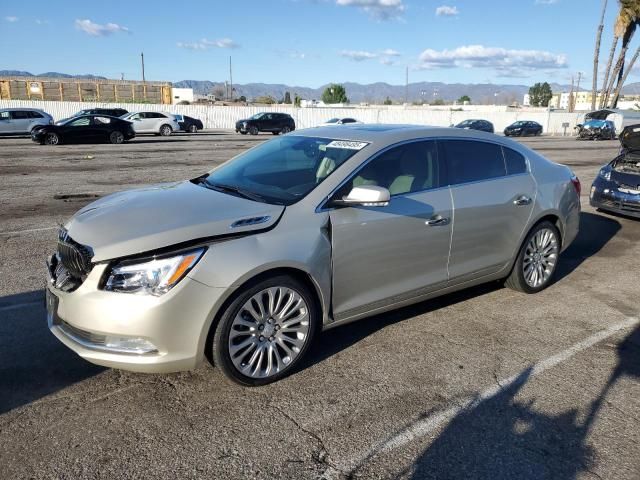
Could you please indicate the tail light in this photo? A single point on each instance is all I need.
(576, 183)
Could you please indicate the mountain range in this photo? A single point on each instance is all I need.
(356, 92)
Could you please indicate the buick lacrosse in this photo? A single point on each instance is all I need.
(246, 264)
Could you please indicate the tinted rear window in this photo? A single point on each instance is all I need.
(20, 114)
(515, 162)
(471, 161)
(33, 114)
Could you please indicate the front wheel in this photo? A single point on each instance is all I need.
(52, 139)
(253, 130)
(537, 260)
(116, 137)
(165, 130)
(193, 129)
(266, 331)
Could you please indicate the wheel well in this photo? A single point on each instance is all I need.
(300, 275)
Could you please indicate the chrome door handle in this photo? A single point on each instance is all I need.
(437, 221)
(522, 200)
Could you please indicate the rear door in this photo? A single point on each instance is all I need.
(493, 195)
(20, 121)
(385, 255)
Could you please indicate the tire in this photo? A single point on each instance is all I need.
(285, 130)
(116, 137)
(193, 129)
(243, 133)
(52, 138)
(165, 130)
(248, 367)
(536, 278)
(275, 133)
(253, 130)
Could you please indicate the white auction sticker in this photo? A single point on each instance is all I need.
(347, 144)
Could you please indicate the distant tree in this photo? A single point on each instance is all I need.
(540, 94)
(387, 101)
(335, 93)
(218, 92)
(464, 98)
(297, 100)
(437, 101)
(242, 98)
(267, 99)
(287, 98)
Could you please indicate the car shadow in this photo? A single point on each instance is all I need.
(33, 363)
(595, 232)
(502, 437)
(155, 140)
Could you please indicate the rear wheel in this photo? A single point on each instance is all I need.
(285, 130)
(537, 260)
(193, 129)
(165, 130)
(116, 137)
(52, 139)
(266, 331)
(253, 130)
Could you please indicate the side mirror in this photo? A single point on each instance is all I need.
(365, 196)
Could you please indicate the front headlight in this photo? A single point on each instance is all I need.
(152, 277)
(605, 174)
(244, 124)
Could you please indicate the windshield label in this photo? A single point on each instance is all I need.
(347, 144)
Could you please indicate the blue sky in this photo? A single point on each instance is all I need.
(307, 42)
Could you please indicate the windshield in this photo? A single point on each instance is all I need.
(283, 170)
(465, 123)
(256, 116)
(333, 120)
(64, 121)
(518, 124)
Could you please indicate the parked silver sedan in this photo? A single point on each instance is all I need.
(246, 265)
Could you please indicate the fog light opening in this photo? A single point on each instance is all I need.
(130, 344)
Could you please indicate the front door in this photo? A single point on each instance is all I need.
(493, 194)
(385, 255)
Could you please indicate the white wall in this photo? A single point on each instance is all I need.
(226, 116)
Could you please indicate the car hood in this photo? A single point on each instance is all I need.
(630, 137)
(146, 219)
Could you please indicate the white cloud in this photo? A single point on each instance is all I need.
(298, 55)
(380, 9)
(447, 11)
(98, 30)
(506, 61)
(546, 2)
(42, 22)
(206, 44)
(390, 52)
(387, 61)
(11, 19)
(358, 55)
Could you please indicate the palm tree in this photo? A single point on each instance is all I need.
(618, 90)
(596, 56)
(626, 22)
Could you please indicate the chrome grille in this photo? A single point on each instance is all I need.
(74, 257)
(80, 335)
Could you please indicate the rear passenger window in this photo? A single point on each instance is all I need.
(471, 161)
(20, 114)
(515, 162)
(33, 114)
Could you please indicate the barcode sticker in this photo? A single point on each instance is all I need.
(347, 144)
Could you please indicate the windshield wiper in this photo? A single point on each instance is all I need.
(237, 190)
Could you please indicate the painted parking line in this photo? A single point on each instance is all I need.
(427, 425)
(29, 230)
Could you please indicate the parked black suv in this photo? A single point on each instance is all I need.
(472, 124)
(523, 127)
(266, 122)
(111, 112)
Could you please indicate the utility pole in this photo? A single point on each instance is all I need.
(570, 106)
(142, 59)
(231, 77)
(406, 87)
(577, 90)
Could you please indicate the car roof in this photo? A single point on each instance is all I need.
(19, 109)
(391, 133)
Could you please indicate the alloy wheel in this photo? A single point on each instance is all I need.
(540, 257)
(269, 332)
(52, 139)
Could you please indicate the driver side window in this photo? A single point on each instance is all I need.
(408, 168)
(81, 122)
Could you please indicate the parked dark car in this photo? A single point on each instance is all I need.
(474, 124)
(522, 128)
(189, 124)
(275, 123)
(85, 129)
(110, 112)
(596, 130)
(617, 186)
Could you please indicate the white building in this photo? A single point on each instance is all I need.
(181, 95)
